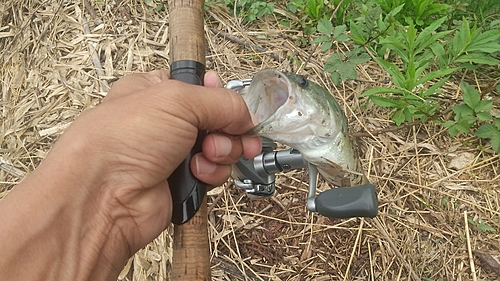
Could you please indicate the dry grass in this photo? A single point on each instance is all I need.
(58, 57)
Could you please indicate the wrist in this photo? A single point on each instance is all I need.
(95, 245)
(55, 221)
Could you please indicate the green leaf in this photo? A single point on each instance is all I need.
(371, 17)
(478, 58)
(399, 117)
(436, 74)
(471, 96)
(292, 8)
(326, 46)
(325, 26)
(320, 39)
(485, 227)
(381, 90)
(339, 30)
(496, 122)
(439, 53)
(397, 77)
(342, 38)
(463, 126)
(489, 131)
(486, 131)
(334, 59)
(284, 23)
(489, 48)
(486, 39)
(471, 221)
(469, 119)
(422, 40)
(397, 46)
(384, 102)
(396, 10)
(335, 77)
(347, 70)
(483, 105)
(453, 131)
(462, 110)
(495, 142)
(433, 89)
(484, 116)
(359, 59)
(448, 124)
(357, 33)
(312, 9)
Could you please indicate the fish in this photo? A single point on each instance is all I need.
(301, 114)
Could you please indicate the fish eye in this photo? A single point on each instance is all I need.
(301, 81)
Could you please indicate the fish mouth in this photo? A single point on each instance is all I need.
(269, 91)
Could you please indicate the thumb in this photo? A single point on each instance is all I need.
(205, 108)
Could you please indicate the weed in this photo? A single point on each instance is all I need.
(472, 113)
(343, 67)
(481, 225)
(248, 10)
(330, 34)
(428, 56)
(485, 11)
(422, 13)
(370, 26)
(156, 4)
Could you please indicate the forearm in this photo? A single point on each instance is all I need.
(52, 228)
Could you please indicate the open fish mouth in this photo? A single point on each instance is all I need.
(269, 91)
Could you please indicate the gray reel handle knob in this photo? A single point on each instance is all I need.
(348, 202)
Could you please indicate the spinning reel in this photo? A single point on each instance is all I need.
(257, 178)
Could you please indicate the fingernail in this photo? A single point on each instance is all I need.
(222, 146)
(203, 166)
(255, 120)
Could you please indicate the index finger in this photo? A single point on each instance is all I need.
(136, 82)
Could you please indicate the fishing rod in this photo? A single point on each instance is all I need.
(191, 249)
(191, 252)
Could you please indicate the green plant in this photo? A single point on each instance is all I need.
(343, 66)
(370, 26)
(249, 10)
(410, 99)
(481, 225)
(340, 66)
(470, 47)
(484, 11)
(255, 9)
(156, 4)
(329, 34)
(428, 56)
(472, 113)
(420, 12)
(309, 12)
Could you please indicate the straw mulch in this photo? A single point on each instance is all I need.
(59, 58)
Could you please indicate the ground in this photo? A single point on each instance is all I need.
(439, 196)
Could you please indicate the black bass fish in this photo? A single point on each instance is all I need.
(303, 115)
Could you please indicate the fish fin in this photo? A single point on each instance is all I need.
(346, 177)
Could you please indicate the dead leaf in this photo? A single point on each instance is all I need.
(488, 261)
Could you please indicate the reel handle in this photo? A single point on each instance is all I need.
(348, 202)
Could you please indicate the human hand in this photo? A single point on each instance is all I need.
(108, 171)
(149, 124)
